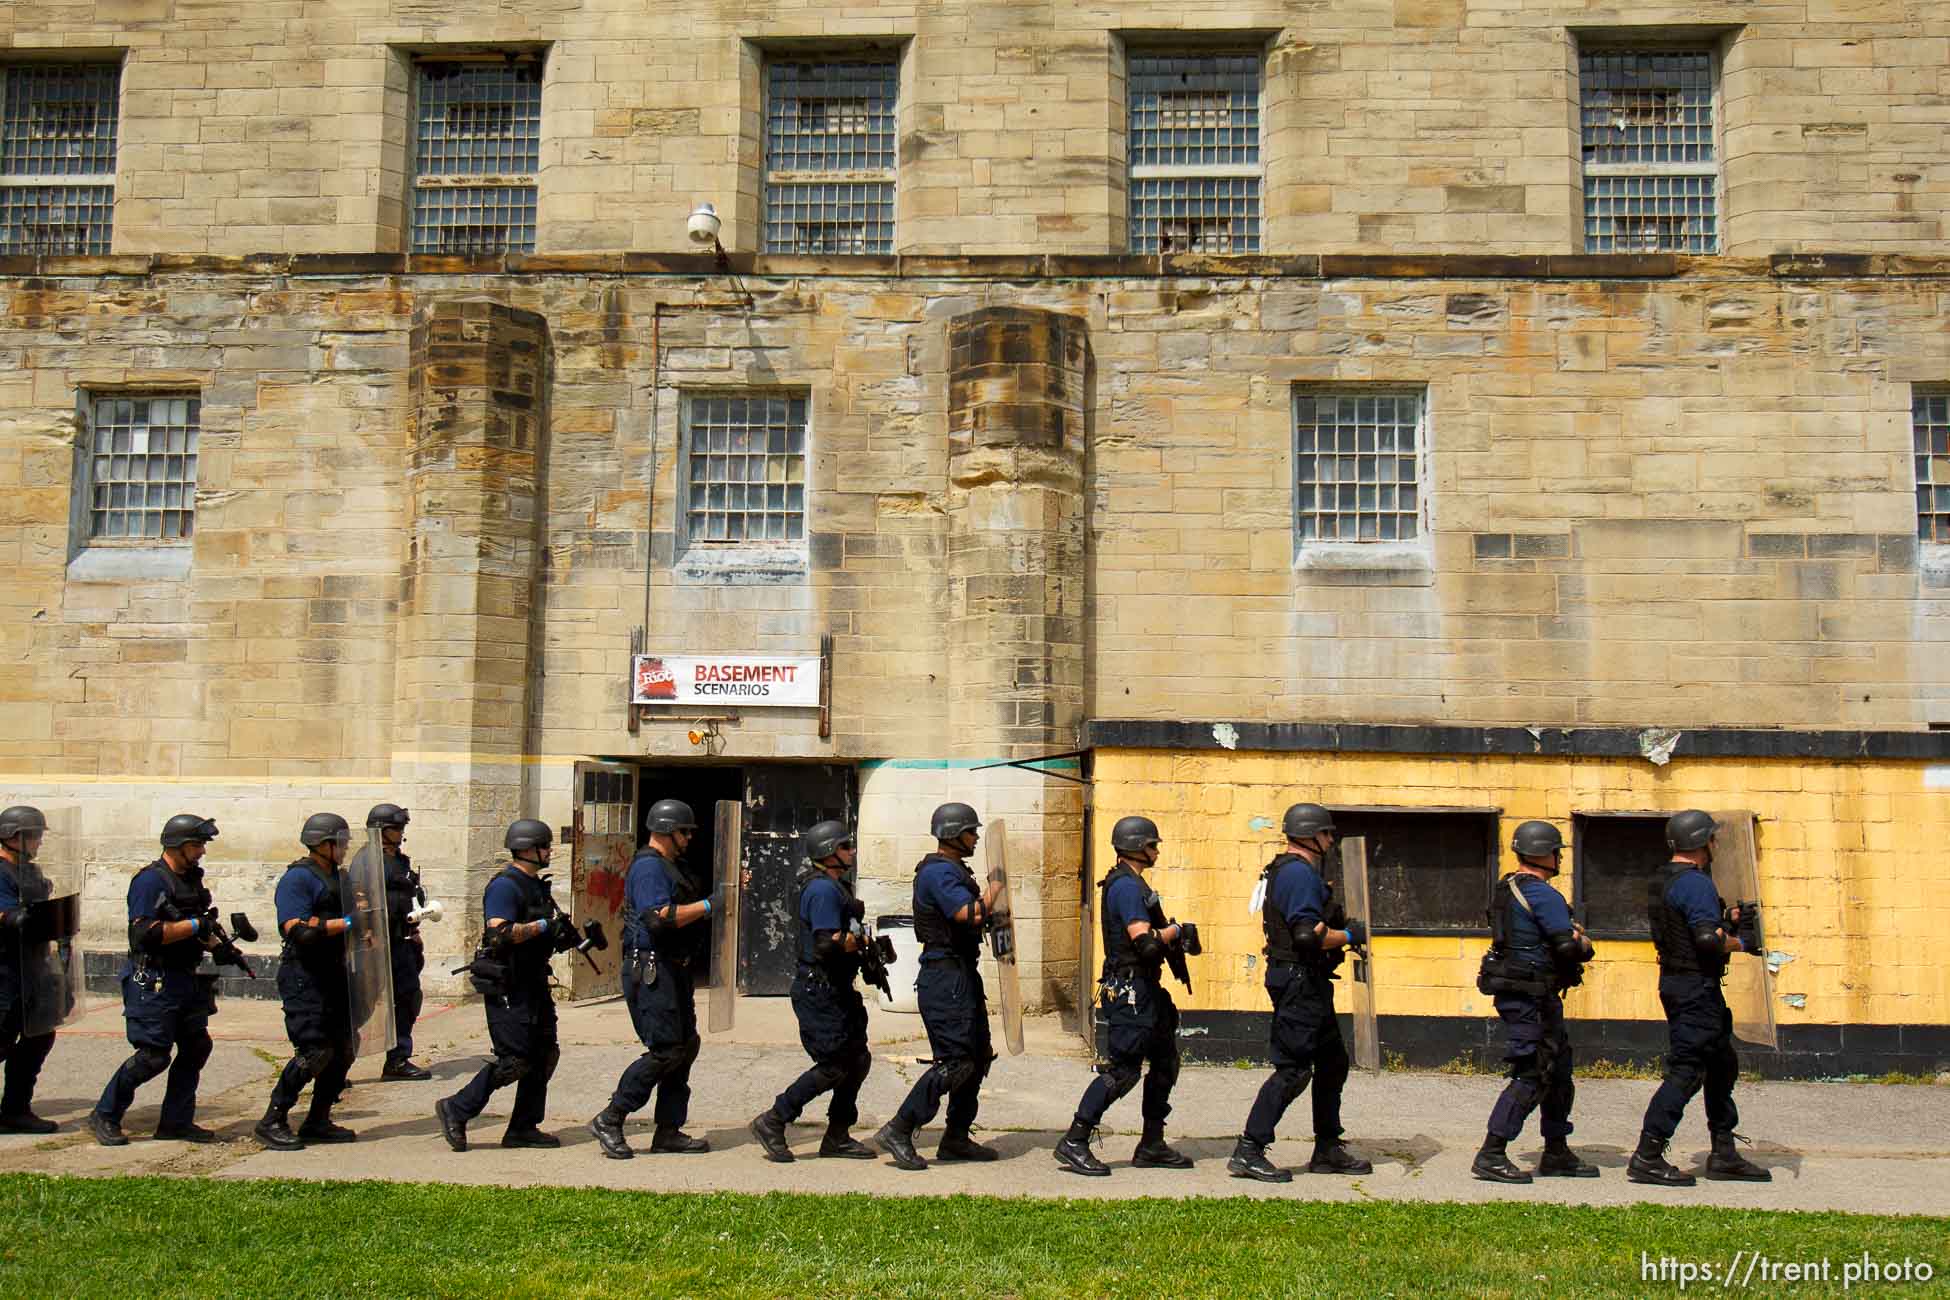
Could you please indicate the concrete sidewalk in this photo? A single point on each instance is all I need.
(1864, 1148)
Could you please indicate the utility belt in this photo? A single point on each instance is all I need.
(1509, 975)
(950, 954)
(1122, 984)
(641, 964)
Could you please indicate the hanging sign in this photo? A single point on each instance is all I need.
(755, 681)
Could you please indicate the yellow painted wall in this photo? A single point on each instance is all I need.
(1854, 864)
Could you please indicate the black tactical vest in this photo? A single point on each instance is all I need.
(528, 962)
(1120, 953)
(186, 898)
(1279, 937)
(325, 955)
(1512, 929)
(1672, 937)
(937, 932)
(841, 966)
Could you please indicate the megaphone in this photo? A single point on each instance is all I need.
(430, 910)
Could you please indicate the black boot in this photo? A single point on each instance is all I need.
(108, 1132)
(1074, 1154)
(769, 1130)
(184, 1133)
(1649, 1165)
(1249, 1161)
(1153, 1152)
(1333, 1157)
(675, 1141)
(607, 1129)
(898, 1142)
(1559, 1161)
(1492, 1164)
(1726, 1165)
(452, 1126)
(530, 1136)
(838, 1144)
(405, 1071)
(26, 1121)
(960, 1146)
(323, 1130)
(275, 1133)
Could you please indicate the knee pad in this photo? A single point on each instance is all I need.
(148, 1062)
(313, 1060)
(1293, 1081)
(1166, 1071)
(1120, 1077)
(1528, 1069)
(1689, 1075)
(829, 1074)
(960, 1072)
(861, 1067)
(194, 1051)
(508, 1069)
(551, 1059)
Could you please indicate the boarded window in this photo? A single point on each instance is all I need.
(1649, 149)
(1193, 118)
(829, 156)
(57, 157)
(1429, 870)
(1614, 859)
(476, 152)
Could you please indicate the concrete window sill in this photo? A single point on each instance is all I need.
(1371, 557)
(742, 565)
(130, 564)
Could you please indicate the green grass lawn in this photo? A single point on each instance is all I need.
(147, 1237)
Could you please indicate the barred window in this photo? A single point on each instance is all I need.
(1651, 165)
(141, 473)
(1929, 416)
(829, 156)
(57, 157)
(1194, 151)
(477, 146)
(1357, 466)
(745, 468)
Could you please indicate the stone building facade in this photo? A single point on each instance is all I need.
(1653, 531)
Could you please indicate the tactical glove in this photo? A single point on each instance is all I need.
(1357, 933)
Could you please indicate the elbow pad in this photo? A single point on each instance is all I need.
(662, 918)
(1149, 947)
(304, 932)
(1707, 939)
(1305, 940)
(824, 948)
(1566, 949)
(145, 933)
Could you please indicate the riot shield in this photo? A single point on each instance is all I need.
(50, 952)
(1360, 963)
(368, 947)
(728, 839)
(1002, 936)
(1749, 983)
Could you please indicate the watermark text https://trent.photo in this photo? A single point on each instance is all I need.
(1750, 1268)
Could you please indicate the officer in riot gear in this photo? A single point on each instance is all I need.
(21, 886)
(1306, 933)
(403, 893)
(950, 913)
(1689, 933)
(665, 942)
(1139, 1014)
(314, 920)
(1536, 951)
(511, 972)
(167, 995)
(832, 1015)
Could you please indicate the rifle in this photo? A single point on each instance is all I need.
(876, 954)
(1185, 945)
(570, 938)
(224, 952)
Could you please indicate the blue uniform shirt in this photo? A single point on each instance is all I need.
(648, 890)
(1299, 895)
(502, 902)
(299, 895)
(822, 905)
(1549, 914)
(943, 884)
(1124, 903)
(1693, 894)
(9, 889)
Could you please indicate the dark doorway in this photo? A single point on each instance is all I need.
(782, 802)
(701, 788)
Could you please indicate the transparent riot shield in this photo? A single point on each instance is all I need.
(1749, 983)
(50, 884)
(1002, 936)
(1360, 961)
(721, 1012)
(369, 946)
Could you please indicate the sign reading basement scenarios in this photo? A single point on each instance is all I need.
(755, 680)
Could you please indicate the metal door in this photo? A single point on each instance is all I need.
(605, 841)
(782, 802)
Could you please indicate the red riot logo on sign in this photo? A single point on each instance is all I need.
(654, 681)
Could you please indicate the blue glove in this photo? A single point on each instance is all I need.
(1357, 934)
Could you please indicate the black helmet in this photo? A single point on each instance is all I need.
(826, 839)
(320, 827)
(184, 827)
(1134, 834)
(953, 820)
(528, 834)
(667, 815)
(1304, 819)
(1691, 829)
(389, 815)
(1536, 840)
(23, 819)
